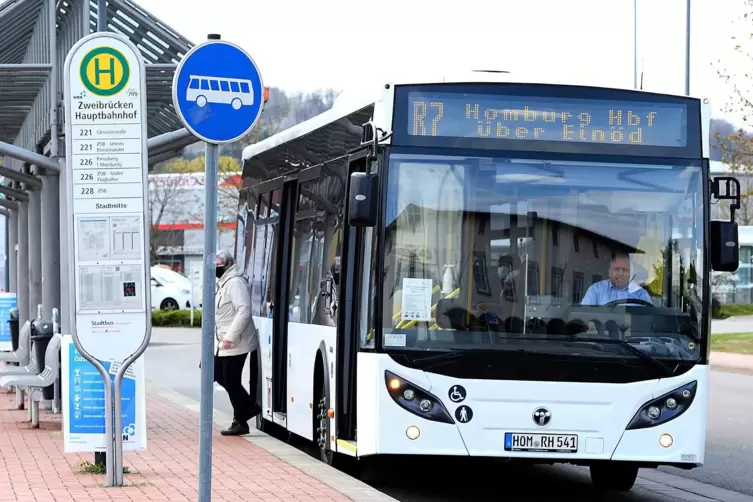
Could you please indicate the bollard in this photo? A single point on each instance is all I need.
(34, 414)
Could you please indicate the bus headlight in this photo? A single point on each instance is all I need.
(416, 400)
(665, 408)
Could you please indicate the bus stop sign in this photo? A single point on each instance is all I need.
(218, 92)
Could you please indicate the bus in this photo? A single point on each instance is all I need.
(485, 267)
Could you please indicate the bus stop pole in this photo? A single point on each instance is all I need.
(207, 323)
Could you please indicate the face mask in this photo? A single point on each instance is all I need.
(219, 271)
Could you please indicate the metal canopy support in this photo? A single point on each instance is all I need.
(22, 264)
(12, 192)
(27, 156)
(27, 179)
(50, 243)
(12, 242)
(35, 252)
(50, 227)
(172, 140)
(9, 204)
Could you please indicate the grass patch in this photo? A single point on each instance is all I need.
(719, 311)
(738, 343)
(175, 318)
(99, 468)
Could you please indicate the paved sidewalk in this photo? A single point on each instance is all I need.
(729, 360)
(33, 466)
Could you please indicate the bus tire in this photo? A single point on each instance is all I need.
(614, 476)
(321, 419)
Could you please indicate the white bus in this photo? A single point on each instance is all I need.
(484, 267)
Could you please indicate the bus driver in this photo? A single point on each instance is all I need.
(617, 287)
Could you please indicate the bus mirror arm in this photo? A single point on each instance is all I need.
(723, 238)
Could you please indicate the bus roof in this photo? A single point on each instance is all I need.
(344, 105)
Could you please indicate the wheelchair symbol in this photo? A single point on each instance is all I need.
(457, 394)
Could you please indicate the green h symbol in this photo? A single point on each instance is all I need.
(99, 71)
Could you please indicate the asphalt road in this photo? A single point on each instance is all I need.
(738, 324)
(172, 361)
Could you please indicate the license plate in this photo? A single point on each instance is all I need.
(550, 443)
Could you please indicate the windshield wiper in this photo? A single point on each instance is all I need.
(425, 363)
(449, 355)
(642, 355)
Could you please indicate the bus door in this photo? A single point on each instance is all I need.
(273, 242)
(288, 308)
(348, 318)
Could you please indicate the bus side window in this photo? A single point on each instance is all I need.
(194, 84)
(330, 205)
(215, 85)
(244, 88)
(205, 84)
(235, 87)
(224, 86)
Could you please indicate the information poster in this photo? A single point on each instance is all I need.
(84, 403)
(7, 302)
(416, 299)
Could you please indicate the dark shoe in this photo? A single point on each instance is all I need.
(236, 429)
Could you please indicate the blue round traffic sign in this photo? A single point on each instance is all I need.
(218, 92)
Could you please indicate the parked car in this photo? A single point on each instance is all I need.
(170, 290)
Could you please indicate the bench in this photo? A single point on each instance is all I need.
(21, 354)
(21, 357)
(34, 383)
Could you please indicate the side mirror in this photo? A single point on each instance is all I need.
(362, 200)
(725, 246)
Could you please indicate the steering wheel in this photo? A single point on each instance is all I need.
(629, 300)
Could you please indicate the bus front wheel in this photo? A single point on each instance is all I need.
(326, 454)
(236, 103)
(614, 476)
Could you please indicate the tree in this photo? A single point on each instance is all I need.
(164, 200)
(189, 204)
(737, 147)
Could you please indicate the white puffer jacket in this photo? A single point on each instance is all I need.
(233, 321)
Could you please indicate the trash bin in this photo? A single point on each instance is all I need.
(13, 321)
(41, 334)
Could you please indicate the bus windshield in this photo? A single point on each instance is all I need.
(492, 252)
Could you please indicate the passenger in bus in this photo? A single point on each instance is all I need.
(235, 337)
(619, 286)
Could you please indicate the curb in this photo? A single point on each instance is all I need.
(352, 488)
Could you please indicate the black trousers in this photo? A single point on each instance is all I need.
(228, 371)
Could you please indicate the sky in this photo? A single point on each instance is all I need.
(303, 45)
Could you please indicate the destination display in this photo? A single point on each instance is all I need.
(546, 119)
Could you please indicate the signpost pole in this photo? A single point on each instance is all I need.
(218, 94)
(207, 325)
